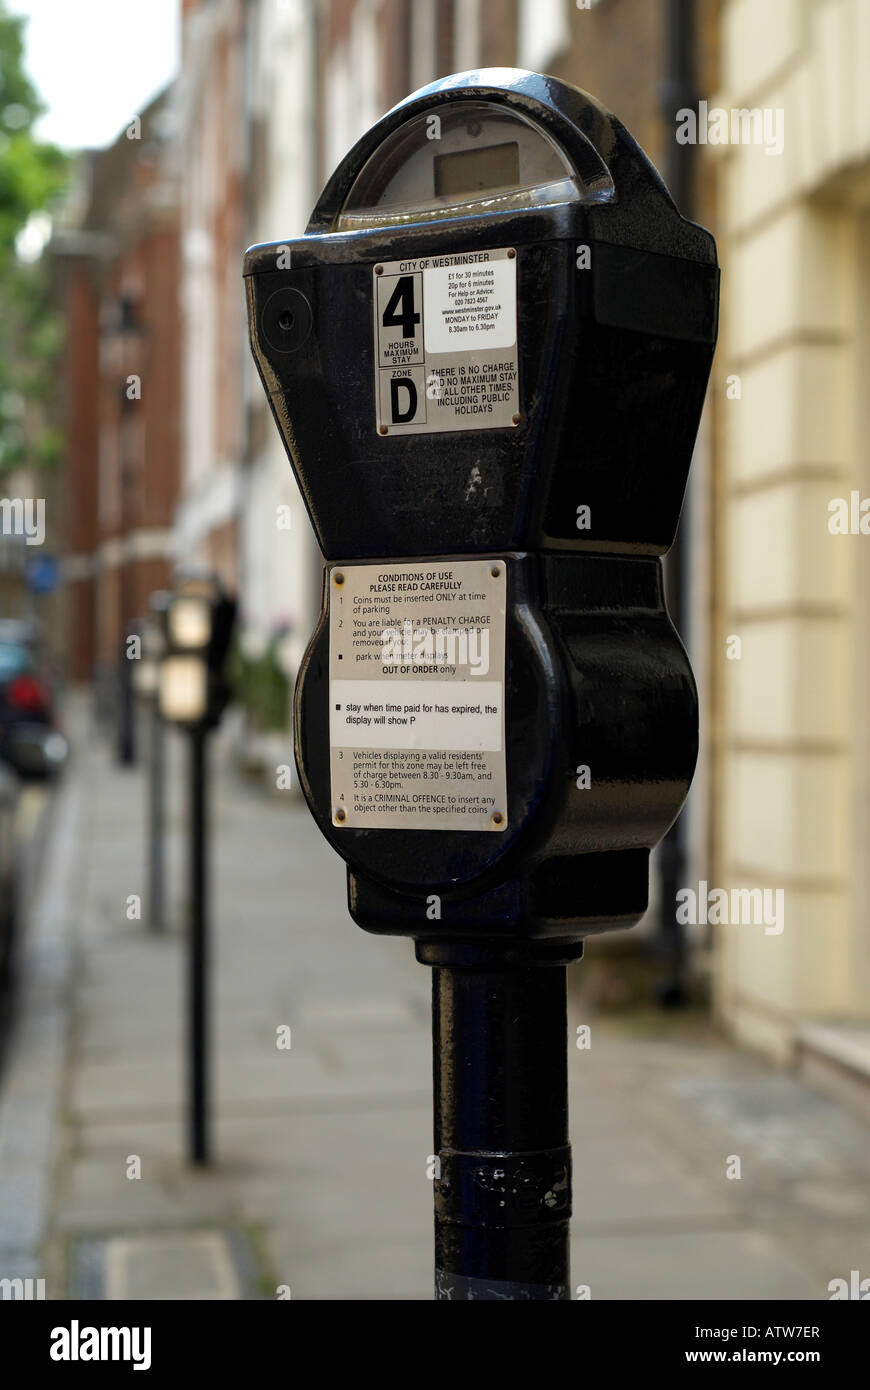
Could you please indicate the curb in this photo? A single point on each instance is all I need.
(31, 1100)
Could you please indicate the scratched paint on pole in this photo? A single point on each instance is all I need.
(417, 690)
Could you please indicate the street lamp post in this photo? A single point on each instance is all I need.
(126, 331)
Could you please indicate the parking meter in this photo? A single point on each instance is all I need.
(146, 676)
(487, 357)
(197, 623)
(193, 693)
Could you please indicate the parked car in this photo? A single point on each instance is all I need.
(30, 741)
(9, 793)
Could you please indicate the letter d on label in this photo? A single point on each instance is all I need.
(400, 417)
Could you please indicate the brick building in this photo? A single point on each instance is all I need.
(212, 156)
(116, 254)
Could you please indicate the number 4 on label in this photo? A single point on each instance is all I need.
(402, 300)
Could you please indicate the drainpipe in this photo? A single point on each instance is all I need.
(678, 90)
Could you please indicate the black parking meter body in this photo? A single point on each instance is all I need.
(198, 621)
(492, 345)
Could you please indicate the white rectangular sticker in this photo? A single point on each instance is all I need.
(416, 695)
(466, 308)
(446, 343)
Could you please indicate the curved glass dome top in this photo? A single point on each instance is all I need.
(463, 159)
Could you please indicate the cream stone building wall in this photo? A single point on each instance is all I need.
(793, 751)
(279, 577)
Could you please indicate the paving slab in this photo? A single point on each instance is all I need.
(709, 1265)
(377, 1271)
(185, 1265)
(97, 1195)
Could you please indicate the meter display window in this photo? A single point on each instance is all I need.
(473, 171)
(466, 157)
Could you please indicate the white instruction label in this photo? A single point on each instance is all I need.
(446, 343)
(416, 695)
(467, 307)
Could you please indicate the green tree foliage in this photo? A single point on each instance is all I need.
(261, 686)
(32, 174)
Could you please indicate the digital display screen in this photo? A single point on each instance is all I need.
(475, 171)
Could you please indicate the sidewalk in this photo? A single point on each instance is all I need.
(319, 1182)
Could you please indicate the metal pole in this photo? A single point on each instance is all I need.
(503, 1188)
(155, 821)
(126, 712)
(678, 91)
(199, 1139)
